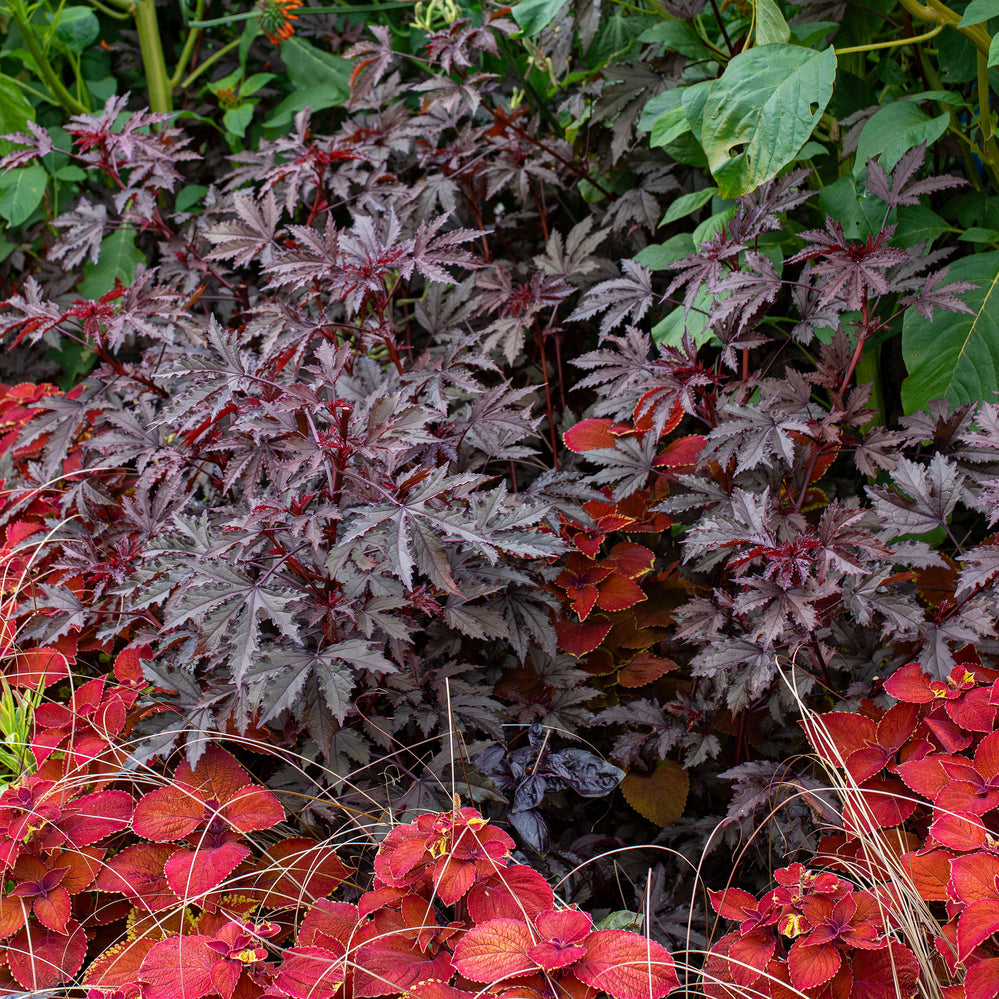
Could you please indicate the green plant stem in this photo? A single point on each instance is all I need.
(118, 15)
(990, 151)
(869, 370)
(894, 42)
(939, 13)
(157, 81)
(52, 82)
(193, 34)
(207, 64)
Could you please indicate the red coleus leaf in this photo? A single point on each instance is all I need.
(879, 803)
(391, 959)
(118, 967)
(299, 870)
(750, 954)
(887, 973)
(812, 966)
(959, 831)
(178, 968)
(168, 813)
(982, 980)
(973, 878)
(330, 925)
(929, 873)
(626, 965)
(617, 593)
(309, 973)
(138, 873)
(976, 924)
(191, 874)
(644, 668)
(495, 950)
(515, 892)
(42, 959)
(589, 435)
(582, 637)
(630, 559)
(681, 455)
(91, 817)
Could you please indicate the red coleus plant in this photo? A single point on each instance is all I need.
(923, 782)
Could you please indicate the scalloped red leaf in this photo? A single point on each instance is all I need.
(118, 967)
(976, 924)
(626, 965)
(617, 593)
(550, 956)
(393, 962)
(589, 435)
(812, 966)
(194, 873)
(581, 637)
(929, 873)
(310, 973)
(178, 968)
(750, 955)
(884, 802)
(495, 950)
(138, 873)
(910, 683)
(960, 831)
(53, 909)
(516, 892)
(974, 877)
(168, 813)
(982, 980)
(217, 776)
(644, 668)
(681, 454)
(837, 735)
(42, 959)
(630, 559)
(887, 973)
(91, 817)
(252, 809)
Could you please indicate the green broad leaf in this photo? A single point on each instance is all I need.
(118, 258)
(237, 120)
(21, 192)
(891, 132)
(710, 227)
(534, 15)
(976, 234)
(944, 96)
(253, 83)
(76, 27)
(694, 100)
(659, 256)
(189, 196)
(809, 151)
(657, 106)
(615, 40)
(919, 224)
(669, 332)
(251, 29)
(6, 249)
(956, 356)
(669, 126)
(770, 24)
(15, 112)
(994, 51)
(309, 68)
(74, 359)
(762, 111)
(70, 173)
(686, 204)
(859, 213)
(957, 58)
(622, 919)
(978, 11)
(677, 36)
(811, 33)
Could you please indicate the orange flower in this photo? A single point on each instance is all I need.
(275, 17)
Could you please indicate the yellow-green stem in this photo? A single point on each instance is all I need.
(207, 64)
(193, 34)
(939, 13)
(892, 44)
(52, 82)
(157, 80)
(990, 151)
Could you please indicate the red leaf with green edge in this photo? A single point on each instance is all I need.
(884, 974)
(178, 968)
(929, 873)
(879, 803)
(495, 950)
(138, 873)
(217, 776)
(750, 955)
(976, 924)
(837, 735)
(630, 559)
(391, 963)
(626, 965)
(589, 435)
(252, 809)
(580, 638)
(910, 683)
(982, 979)
(168, 813)
(812, 966)
(973, 877)
(681, 453)
(644, 668)
(53, 909)
(517, 892)
(330, 925)
(617, 593)
(42, 959)
(960, 831)
(733, 903)
(309, 973)
(91, 817)
(118, 967)
(299, 870)
(194, 873)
